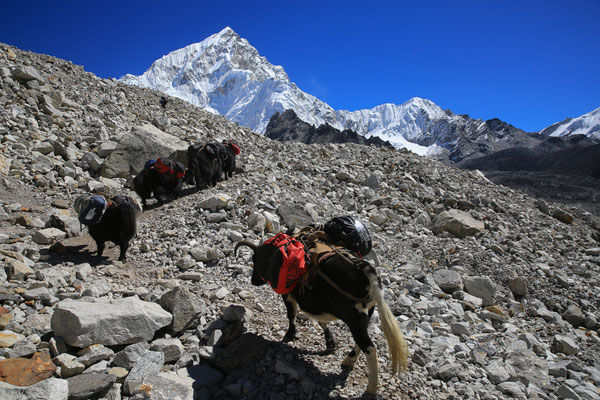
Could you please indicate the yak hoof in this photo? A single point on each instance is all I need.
(372, 390)
(288, 338)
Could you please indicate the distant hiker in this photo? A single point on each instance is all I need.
(163, 102)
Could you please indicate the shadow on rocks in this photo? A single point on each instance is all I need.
(255, 367)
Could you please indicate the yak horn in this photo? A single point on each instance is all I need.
(244, 243)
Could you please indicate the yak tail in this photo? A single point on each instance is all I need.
(391, 330)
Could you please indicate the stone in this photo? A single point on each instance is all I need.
(518, 286)
(481, 287)
(166, 385)
(93, 354)
(216, 202)
(16, 269)
(448, 280)
(565, 345)
(82, 387)
(272, 224)
(48, 236)
(26, 372)
(48, 389)
(496, 372)
(171, 348)
(257, 222)
(562, 216)
(236, 355)
(295, 214)
(9, 338)
(286, 368)
(235, 313)
(127, 357)
(201, 375)
(458, 223)
(26, 74)
(40, 293)
(184, 305)
(372, 181)
(123, 321)
(150, 364)
(574, 316)
(69, 366)
(135, 148)
(527, 368)
(93, 161)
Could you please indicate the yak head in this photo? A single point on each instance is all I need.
(260, 258)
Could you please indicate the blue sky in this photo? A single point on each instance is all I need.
(530, 63)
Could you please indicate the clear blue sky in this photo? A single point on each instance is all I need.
(528, 62)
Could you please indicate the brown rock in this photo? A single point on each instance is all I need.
(26, 372)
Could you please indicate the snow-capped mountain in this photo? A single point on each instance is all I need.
(224, 74)
(588, 124)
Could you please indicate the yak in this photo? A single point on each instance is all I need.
(344, 288)
(204, 165)
(165, 179)
(229, 149)
(117, 225)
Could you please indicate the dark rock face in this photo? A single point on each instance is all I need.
(565, 169)
(287, 126)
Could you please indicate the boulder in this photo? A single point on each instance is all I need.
(86, 386)
(448, 280)
(26, 372)
(135, 148)
(123, 321)
(295, 214)
(184, 305)
(456, 222)
(481, 287)
(149, 365)
(48, 389)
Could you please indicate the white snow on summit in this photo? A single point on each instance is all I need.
(225, 75)
(588, 124)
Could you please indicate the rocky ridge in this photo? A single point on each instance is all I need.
(496, 292)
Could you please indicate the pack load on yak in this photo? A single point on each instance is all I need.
(90, 208)
(234, 146)
(308, 247)
(167, 167)
(349, 232)
(291, 258)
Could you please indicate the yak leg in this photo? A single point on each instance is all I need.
(123, 249)
(100, 246)
(292, 311)
(329, 340)
(359, 328)
(350, 359)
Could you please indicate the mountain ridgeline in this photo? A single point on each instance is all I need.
(287, 126)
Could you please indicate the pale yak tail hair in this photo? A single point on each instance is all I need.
(391, 330)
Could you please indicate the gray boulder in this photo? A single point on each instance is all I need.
(48, 389)
(123, 321)
(458, 223)
(295, 214)
(184, 305)
(135, 148)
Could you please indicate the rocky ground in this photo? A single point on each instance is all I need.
(496, 292)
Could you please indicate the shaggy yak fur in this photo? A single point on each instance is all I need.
(228, 158)
(204, 165)
(150, 181)
(117, 225)
(321, 301)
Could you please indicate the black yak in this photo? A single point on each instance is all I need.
(163, 178)
(109, 221)
(204, 165)
(340, 286)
